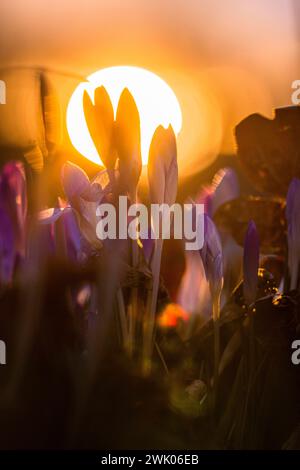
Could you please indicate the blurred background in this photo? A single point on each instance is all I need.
(224, 61)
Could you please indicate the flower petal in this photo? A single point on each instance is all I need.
(226, 187)
(128, 141)
(7, 248)
(100, 121)
(211, 254)
(13, 199)
(162, 167)
(74, 180)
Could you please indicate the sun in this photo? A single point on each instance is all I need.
(156, 102)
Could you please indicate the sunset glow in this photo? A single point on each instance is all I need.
(156, 102)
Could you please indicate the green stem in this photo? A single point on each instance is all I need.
(133, 309)
(151, 306)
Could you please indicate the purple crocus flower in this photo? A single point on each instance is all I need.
(205, 197)
(76, 184)
(293, 220)
(7, 248)
(224, 188)
(211, 254)
(41, 245)
(84, 198)
(13, 212)
(251, 263)
(13, 200)
(63, 232)
(71, 234)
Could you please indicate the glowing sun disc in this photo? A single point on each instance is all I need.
(156, 102)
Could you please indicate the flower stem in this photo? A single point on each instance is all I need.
(151, 306)
(133, 309)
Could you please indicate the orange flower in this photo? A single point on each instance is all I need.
(172, 315)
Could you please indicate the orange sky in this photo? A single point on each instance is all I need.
(224, 59)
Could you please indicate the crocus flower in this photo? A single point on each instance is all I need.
(162, 173)
(13, 213)
(224, 188)
(211, 254)
(7, 248)
(205, 197)
(63, 227)
(41, 243)
(13, 200)
(76, 184)
(163, 180)
(251, 263)
(99, 117)
(84, 198)
(128, 142)
(128, 146)
(162, 167)
(293, 220)
(232, 264)
(71, 235)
